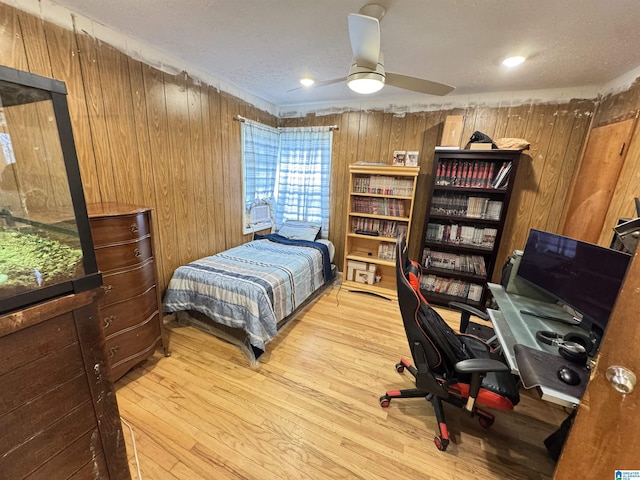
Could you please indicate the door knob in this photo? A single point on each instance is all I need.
(622, 379)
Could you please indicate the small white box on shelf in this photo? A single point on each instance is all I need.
(364, 276)
(352, 266)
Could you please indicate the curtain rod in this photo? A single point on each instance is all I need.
(240, 118)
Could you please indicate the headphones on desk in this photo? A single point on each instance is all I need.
(573, 346)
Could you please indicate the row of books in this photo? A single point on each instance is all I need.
(379, 206)
(383, 185)
(465, 206)
(475, 174)
(461, 234)
(382, 228)
(453, 287)
(387, 251)
(473, 264)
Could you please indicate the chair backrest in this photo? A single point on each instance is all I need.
(434, 345)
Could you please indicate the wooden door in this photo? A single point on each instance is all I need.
(605, 436)
(596, 180)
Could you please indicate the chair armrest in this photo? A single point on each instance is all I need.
(480, 365)
(477, 367)
(469, 310)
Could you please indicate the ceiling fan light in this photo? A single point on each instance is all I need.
(307, 81)
(365, 83)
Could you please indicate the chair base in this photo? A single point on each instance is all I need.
(441, 440)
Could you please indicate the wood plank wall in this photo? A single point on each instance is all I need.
(628, 187)
(143, 136)
(556, 133)
(170, 142)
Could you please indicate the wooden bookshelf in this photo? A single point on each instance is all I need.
(465, 216)
(380, 208)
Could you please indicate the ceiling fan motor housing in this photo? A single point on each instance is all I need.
(374, 79)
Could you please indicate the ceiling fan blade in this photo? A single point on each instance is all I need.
(364, 33)
(417, 84)
(320, 84)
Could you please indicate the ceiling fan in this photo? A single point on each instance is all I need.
(367, 73)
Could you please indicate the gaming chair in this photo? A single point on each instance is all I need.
(455, 368)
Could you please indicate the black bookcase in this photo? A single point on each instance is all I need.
(465, 215)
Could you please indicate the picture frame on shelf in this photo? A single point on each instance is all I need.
(399, 157)
(411, 159)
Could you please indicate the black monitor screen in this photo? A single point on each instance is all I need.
(585, 276)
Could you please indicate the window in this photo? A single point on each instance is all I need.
(287, 170)
(260, 149)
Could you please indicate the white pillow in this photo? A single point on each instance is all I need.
(298, 230)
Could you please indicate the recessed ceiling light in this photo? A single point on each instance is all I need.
(513, 61)
(307, 81)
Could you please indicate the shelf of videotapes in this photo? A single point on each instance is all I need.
(465, 217)
(379, 209)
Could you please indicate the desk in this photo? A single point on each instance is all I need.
(514, 328)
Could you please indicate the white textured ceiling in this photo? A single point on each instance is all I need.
(264, 46)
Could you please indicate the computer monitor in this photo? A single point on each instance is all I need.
(584, 276)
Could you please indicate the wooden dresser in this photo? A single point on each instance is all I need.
(130, 310)
(59, 416)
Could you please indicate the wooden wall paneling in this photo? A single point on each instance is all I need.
(396, 135)
(350, 131)
(596, 180)
(215, 211)
(373, 139)
(231, 166)
(469, 125)
(569, 165)
(182, 180)
(628, 188)
(141, 130)
(431, 137)
(12, 53)
(164, 214)
(120, 124)
(339, 183)
(65, 65)
(198, 171)
(538, 132)
(385, 136)
(87, 47)
(549, 174)
(517, 121)
(485, 121)
(35, 44)
(502, 121)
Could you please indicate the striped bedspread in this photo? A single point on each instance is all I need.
(252, 286)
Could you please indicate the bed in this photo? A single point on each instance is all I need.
(252, 289)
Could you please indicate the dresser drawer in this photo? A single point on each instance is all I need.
(129, 313)
(123, 255)
(110, 230)
(126, 346)
(127, 283)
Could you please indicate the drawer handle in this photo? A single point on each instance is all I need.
(134, 228)
(108, 321)
(107, 288)
(136, 253)
(113, 351)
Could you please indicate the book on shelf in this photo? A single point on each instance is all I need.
(457, 234)
(459, 173)
(469, 264)
(503, 175)
(452, 287)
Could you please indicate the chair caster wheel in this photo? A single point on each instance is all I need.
(385, 401)
(485, 422)
(441, 443)
(399, 367)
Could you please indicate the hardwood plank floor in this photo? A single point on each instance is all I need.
(311, 411)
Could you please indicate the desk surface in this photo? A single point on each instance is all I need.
(513, 327)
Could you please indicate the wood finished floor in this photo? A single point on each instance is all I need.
(311, 411)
